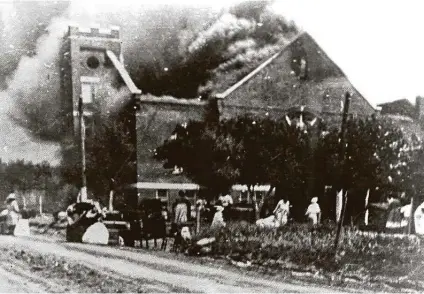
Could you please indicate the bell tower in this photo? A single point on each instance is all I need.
(86, 68)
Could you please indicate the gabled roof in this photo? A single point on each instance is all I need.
(325, 79)
(123, 73)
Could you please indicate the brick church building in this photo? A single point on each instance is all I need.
(299, 79)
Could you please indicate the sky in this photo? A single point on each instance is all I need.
(378, 44)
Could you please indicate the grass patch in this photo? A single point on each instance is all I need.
(364, 257)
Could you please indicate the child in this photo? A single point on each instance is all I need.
(314, 212)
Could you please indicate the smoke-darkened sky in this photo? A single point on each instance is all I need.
(169, 49)
(180, 47)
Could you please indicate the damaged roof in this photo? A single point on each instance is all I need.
(277, 83)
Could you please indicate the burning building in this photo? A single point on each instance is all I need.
(299, 79)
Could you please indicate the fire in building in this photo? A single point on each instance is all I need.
(299, 81)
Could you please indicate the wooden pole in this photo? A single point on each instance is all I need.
(411, 215)
(366, 217)
(82, 143)
(198, 207)
(342, 162)
(24, 202)
(111, 200)
(40, 200)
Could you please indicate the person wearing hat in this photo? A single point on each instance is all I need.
(314, 212)
(13, 212)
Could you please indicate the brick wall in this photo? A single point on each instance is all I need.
(156, 120)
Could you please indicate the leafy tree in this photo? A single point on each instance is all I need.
(110, 155)
(375, 160)
(203, 151)
(299, 162)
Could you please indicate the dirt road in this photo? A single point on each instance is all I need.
(155, 272)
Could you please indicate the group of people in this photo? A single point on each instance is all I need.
(278, 218)
(280, 214)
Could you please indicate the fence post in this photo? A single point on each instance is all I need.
(411, 215)
(41, 204)
(197, 219)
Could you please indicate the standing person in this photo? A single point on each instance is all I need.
(13, 212)
(218, 218)
(394, 216)
(314, 212)
(281, 212)
(226, 201)
(181, 209)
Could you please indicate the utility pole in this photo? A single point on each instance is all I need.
(82, 145)
(342, 173)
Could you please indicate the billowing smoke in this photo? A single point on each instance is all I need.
(21, 25)
(181, 51)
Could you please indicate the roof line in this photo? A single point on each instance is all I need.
(272, 58)
(256, 70)
(123, 73)
(394, 101)
(342, 72)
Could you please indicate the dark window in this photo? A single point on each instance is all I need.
(299, 65)
(259, 195)
(190, 194)
(244, 197)
(162, 193)
(93, 62)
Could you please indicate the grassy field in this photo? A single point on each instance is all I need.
(365, 257)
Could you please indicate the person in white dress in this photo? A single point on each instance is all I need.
(314, 212)
(281, 212)
(13, 212)
(218, 219)
(226, 202)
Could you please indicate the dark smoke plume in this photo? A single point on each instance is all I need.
(22, 24)
(181, 51)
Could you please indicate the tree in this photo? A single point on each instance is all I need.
(110, 155)
(298, 162)
(204, 152)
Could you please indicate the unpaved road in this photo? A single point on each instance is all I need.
(154, 270)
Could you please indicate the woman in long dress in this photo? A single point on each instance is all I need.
(13, 212)
(281, 212)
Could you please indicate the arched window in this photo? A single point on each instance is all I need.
(299, 66)
(303, 68)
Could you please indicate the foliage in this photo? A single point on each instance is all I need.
(110, 156)
(299, 162)
(203, 151)
(24, 176)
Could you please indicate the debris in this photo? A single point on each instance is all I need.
(206, 241)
